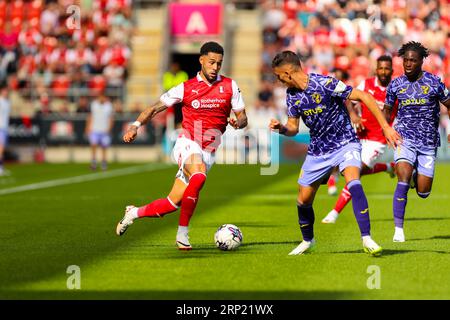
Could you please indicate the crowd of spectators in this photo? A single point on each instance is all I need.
(344, 38)
(57, 56)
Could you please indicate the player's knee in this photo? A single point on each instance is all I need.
(423, 194)
(304, 204)
(355, 183)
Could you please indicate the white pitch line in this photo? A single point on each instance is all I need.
(83, 178)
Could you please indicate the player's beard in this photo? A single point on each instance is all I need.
(206, 75)
(384, 81)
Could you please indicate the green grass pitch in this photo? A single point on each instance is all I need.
(46, 230)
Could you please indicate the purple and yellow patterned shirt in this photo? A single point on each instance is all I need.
(322, 108)
(418, 108)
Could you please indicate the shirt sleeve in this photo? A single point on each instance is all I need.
(443, 93)
(111, 110)
(361, 86)
(337, 88)
(173, 96)
(237, 102)
(391, 96)
(292, 106)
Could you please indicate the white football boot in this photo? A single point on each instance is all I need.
(183, 241)
(331, 217)
(126, 221)
(332, 191)
(371, 247)
(399, 235)
(303, 247)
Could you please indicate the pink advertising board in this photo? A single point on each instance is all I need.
(195, 19)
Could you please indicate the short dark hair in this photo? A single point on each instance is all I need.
(414, 46)
(385, 58)
(286, 57)
(211, 47)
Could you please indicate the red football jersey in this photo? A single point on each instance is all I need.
(206, 108)
(373, 130)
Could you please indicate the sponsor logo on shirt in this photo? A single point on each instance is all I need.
(195, 104)
(314, 111)
(413, 101)
(207, 103)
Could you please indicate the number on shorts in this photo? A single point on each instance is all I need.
(349, 155)
(429, 164)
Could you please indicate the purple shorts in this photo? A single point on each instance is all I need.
(101, 139)
(317, 167)
(423, 158)
(3, 137)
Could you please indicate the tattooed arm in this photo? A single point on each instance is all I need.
(143, 118)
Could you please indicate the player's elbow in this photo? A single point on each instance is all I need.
(291, 132)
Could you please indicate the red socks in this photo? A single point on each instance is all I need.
(343, 199)
(378, 167)
(161, 207)
(190, 197)
(157, 208)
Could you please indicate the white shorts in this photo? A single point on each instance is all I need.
(185, 147)
(371, 151)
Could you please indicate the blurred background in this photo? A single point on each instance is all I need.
(58, 56)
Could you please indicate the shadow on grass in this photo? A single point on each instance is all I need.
(445, 237)
(178, 295)
(389, 252)
(81, 232)
(249, 244)
(386, 252)
(247, 225)
(414, 219)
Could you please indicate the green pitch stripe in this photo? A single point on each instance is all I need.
(84, 178)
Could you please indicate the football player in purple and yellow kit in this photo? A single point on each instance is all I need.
(320, 102)
(418, 94)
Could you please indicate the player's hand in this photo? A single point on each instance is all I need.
(233, 122)
(358, 122)
(393, 137)
(131, 134)
(274, 125)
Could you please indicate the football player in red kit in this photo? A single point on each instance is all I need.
(207, 101)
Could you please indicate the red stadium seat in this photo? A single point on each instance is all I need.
(33, 9)
(97, 84)
(60, 86)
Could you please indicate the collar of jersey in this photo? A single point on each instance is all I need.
(200, 79)
(378, 84)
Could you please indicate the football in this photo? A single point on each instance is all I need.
(228, 237)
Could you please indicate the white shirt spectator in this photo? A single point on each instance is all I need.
(5, 109)
(101, 116)
(114, 74)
